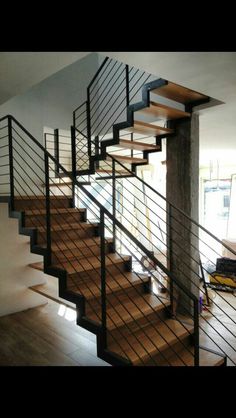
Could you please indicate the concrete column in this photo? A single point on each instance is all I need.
(182, 186)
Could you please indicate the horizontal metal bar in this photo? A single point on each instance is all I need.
(98, 72)
(83, 104)
(80, 114)
(108, 214)
(113, 177)
(106, 86)
(3, 137)
(4, 127)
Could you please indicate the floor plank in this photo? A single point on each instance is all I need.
(43, 336)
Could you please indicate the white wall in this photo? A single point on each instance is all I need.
(21, 70)
(15, 275)
(51, 102)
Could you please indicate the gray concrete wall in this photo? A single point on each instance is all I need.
(183, 192)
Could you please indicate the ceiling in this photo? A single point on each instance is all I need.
(21, 70)
(212, 73)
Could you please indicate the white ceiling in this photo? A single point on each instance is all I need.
(212, 73)
(21, 70)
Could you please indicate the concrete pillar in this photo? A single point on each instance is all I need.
(182, 186)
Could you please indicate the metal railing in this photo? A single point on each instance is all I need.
(185, 247)
(113, 88)
(61, 236)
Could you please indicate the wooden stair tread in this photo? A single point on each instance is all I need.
(34, 212)
(78, 249)
(69, 226)
(130, 310)
(37, 266)
(148, 129)
(148, 342)
(67, 183)
(178, 93)
(92, 288)
(80, 243)
(131, 160)
(164, 112)
(50, 290)
(118, 173)
(90, 263)
(141, 146)
(84, 264)
(206, 358)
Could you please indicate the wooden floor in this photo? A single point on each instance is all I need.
(46, 336)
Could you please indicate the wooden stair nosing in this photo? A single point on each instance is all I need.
(54, 211)
(131, 311)
(131, 160)
(153, 344)
(149, 129)
(91, 264)
(104, 171)
(92, 288)
(80, 243)
(78, 266)
(51, 292)
(164, 112)
(142, 146)
(179, 93)
(67, 184)
(69, 226)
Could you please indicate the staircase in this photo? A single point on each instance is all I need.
(139, 328)
(97, 259)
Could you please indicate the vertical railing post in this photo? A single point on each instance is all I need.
(114, 202)
(127, 84)
(103, 276)
(170, 255)
(56, 149)
(88, 123)
(96, 141)
(48, 213)
(131, 139)
(73, 162)
(196, 332)
(204, 281)
(11, 169)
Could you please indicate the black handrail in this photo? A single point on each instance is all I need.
(98, 72)
(106, 212)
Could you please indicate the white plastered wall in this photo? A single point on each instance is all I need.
(15, 274)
